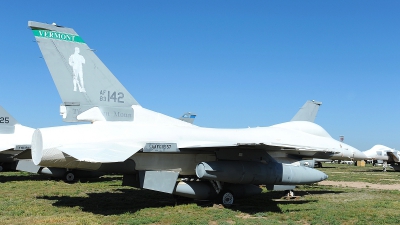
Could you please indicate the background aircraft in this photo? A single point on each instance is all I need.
(385, 155)
(15, 153)
(153, 150)
(14, 138)
(378, 153)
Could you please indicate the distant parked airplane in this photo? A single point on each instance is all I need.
(14, 138)
(385, 155)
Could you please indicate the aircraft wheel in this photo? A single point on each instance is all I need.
(227, 198)
(69, 176)
(1, 168)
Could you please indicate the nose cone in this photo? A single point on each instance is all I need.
(359, 155)
(318, 176)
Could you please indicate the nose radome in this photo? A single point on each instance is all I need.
(358, 155)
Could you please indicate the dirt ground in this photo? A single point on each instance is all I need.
(361, 185)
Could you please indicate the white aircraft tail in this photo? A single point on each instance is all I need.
(308, 112)
(89, 91)
(7, 122)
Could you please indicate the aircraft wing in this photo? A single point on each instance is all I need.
(100, 152)
(13, 149)
(105, 152)
(301, 151)
(268, 147)
(286, 147)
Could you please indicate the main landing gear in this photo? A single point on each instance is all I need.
(69, 177)
(225, 197)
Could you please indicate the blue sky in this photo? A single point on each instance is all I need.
(234, 63)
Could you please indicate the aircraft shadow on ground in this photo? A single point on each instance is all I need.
(36, 177)
(318, 192)
(99, 180)
(376, 170)
(132, 200)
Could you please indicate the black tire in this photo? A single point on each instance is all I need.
(1, 168)
(226, 198)
(69, 177)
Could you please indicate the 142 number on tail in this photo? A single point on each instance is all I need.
(110, 96)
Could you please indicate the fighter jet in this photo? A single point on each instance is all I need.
(378, 153)
(14, 138)
(153, 150)
(385, 155)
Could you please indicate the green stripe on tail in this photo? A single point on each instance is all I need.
(57, 36)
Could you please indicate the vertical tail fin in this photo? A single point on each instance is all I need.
(84, 83)
(7, 122)
(308, 112)
(188, 117)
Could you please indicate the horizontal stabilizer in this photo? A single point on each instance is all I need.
(7, 129)
(90, 113)
(27, 166)
(27, 154)
(100, 152)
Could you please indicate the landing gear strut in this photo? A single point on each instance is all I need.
(224, 196)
